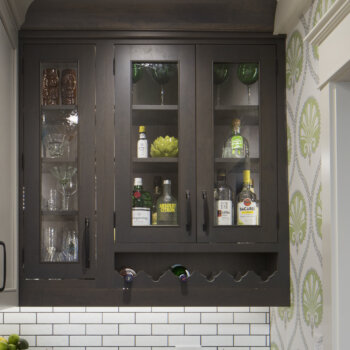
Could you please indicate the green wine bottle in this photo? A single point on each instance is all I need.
(180, 271)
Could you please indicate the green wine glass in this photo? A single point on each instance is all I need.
(248, 74)
(137, 71)
(162, 73)
(221, 73)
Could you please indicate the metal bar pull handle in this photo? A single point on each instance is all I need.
(2, 288)
(205, 211)
(188, 211)
(87, 244)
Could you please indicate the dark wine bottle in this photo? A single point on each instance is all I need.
(180, 271)
(128, 274)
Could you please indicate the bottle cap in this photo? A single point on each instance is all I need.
(236, 123)
(167, 182)
(221, 173)
(142, 128)
(138, 181)
(246, 176)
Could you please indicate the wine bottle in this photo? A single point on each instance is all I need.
(180, 271)
(128, 274)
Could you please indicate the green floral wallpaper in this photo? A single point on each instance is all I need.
(298, 327)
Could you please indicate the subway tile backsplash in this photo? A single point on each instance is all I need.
(143, 328)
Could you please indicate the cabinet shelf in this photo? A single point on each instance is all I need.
(237, 165)
(224, 114)
(48, 163)
(49, 215)
(158, 164)
(58, 107)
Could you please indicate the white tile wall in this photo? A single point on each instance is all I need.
(140, 328)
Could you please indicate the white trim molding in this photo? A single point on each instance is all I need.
(331, 35)
(9, 22)
(336, 13)
(288, 13)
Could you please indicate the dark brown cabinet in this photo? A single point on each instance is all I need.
(81, 108)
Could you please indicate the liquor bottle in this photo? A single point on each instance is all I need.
(257, 202)
(166, 206)
(246, 203)
(142, 143)
(236, 146)
(223, 201)
(180, 271)
(157, 183)
(128, 274)
(141, 204)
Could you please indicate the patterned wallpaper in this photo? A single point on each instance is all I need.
(298, 327)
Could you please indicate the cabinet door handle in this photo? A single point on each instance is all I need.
(87, 244)
(188, 211)
(4, 267)
(205, 211)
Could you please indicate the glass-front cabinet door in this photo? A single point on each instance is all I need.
(236, 144)
(58, 144)
(155, 143)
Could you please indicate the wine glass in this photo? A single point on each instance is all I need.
(162, 73)
(66, 185)
(70, 123)
(221, 73)
(248, 74)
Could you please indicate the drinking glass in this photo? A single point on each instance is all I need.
(54, 144)
(70, 126)
(248, 74)
(70, 246)
(162, 73)
(66, 185)
(221, 73)
(52, 202)
(50, 244)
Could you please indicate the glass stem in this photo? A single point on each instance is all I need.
(162, 94)
(65, 202)
(248, 88)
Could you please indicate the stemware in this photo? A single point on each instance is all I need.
(70, 246)
(248, 74)
(50, 244)
(162, 73)
(70, 123)
(221, 73)
(66, 185)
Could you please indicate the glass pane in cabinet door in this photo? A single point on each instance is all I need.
(237, 143)
(59, 163)
(154, 145)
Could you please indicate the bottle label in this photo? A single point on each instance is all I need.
(223, 210)
(141, 216)
(167, 207)
(142, 149)
(247, 212)
(237, 145)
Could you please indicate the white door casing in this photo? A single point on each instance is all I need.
(8, 154)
